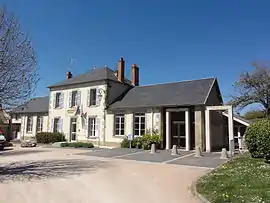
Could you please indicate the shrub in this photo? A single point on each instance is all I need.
(143, 141)
(257, 139)
(77, 144)
(48, 137)
(126, 143)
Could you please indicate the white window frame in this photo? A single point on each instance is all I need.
(93, 102)
(140, 116)
(75, 101)
(92, 127)
(57, 103)
(58, 125)
(117, 131)
(39, 123)
(29, 124)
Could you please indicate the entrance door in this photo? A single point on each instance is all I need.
(73, 129)
(179, 134)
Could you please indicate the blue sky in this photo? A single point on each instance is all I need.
(170, 40)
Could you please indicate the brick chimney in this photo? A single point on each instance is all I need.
(69, 75)
(135, 75)
(121, 70)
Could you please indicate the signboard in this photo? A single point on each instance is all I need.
(130, 137)
(72, 111)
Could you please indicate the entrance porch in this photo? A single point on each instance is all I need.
(179, 128)
(201, 126)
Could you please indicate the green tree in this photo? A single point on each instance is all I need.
(254, 115)
(253, 88)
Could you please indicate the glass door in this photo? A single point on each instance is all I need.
(73, 129)
(179, 134)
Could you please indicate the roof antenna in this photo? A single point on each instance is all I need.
(71, 62)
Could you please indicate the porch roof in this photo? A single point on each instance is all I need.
(238, 119)
(185, 93)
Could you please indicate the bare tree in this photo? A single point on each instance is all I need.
(253, 88)
(18, 67)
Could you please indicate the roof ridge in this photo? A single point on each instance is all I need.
(176, 82)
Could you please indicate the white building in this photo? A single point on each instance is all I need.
(30, 118)
(102, 106)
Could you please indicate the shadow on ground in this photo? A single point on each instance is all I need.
(34, 170)
(19, 152)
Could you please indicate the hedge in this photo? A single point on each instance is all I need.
(48, 137)
(142, 142)
(77, 144)
(257, 139)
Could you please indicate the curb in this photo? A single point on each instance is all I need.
(197, 195)
(193, 188)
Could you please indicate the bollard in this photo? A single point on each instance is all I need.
(231, 148)
(153, 149)
(224, 154)
(174, 150)
(198, 152)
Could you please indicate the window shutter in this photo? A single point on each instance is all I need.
(88, 97)
(52, 122)
(97, 127)
(54, 99)
(86, 127)
(61, 101)
(69, 99)
(60, 125)
(79, 98)
(98, 97)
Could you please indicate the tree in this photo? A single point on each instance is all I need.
(254, 115)
(18, 67)
(253, 88)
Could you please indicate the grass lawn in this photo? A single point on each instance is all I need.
(242, 179)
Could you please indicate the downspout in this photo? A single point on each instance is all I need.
(152, 116)
(105, 105)
(23, 126)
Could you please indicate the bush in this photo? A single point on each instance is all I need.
(77, 144)
(143, 142)
(257, 139)
(47, 137)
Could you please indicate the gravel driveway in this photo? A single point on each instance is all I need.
(59, 175)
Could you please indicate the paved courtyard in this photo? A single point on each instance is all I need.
(208, 160)
(100, 175)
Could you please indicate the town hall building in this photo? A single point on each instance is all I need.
(102, 106)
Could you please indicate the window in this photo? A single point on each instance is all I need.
(39, 123)
(58, 100)
(29, 124)
(74, 98)
(93, 97)
(92, 127)
(139, 124)
(57, 125)
(119, 124)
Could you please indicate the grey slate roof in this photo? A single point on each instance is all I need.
(193, 92)
(91, 76)
(35, 105)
